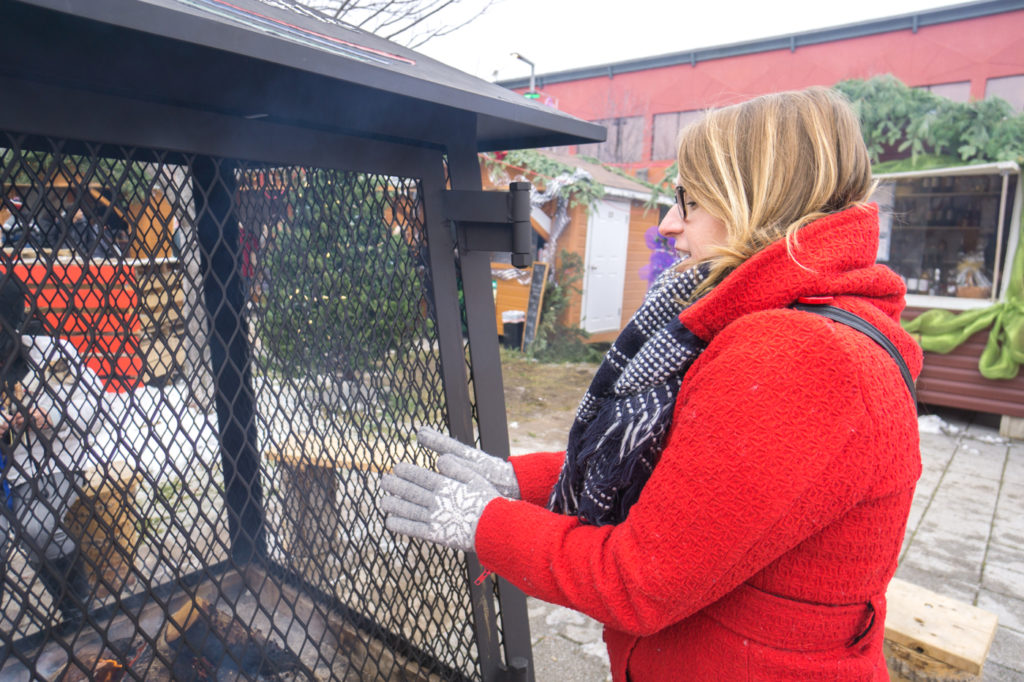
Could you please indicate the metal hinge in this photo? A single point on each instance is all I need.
(493, 221)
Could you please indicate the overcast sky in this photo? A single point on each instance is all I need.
(565, 34)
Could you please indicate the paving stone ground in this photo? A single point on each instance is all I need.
(965, 539)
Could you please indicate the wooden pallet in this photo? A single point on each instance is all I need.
(933, 638)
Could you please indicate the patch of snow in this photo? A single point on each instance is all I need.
(563, 615)
(991, 439)
(155, 430)
(583, 634)
(597, 649)
(933, 423)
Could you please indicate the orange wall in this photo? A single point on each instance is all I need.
(509, 295)
(637, 257)
(574, 239)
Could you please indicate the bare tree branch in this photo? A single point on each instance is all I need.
(342, 8)
(451, 29)
(393, 12)
(372, 16)
(423, 17)
(410, 22)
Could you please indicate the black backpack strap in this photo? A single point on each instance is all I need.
(865, 327)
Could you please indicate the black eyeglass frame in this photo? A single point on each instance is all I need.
(681, 200)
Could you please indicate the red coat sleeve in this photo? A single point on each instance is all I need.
(537, 474)
(770, 442)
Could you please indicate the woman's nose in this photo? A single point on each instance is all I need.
(671, 224)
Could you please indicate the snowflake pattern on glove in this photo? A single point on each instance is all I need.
(457, 512)
(443, 507)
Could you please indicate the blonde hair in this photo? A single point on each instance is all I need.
(769, 166)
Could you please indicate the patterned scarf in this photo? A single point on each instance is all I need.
(620, 425)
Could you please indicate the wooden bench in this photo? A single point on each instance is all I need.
(933, 638)
(332, 452)
(308, 481)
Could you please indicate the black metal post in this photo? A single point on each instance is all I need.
(464, 168)
(214, 188)
(443, 277)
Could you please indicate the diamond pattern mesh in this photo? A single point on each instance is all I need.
(207, 365)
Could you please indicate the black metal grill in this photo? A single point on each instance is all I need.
(256, 344)
(260, 241)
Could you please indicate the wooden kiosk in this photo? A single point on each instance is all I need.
(953, 234)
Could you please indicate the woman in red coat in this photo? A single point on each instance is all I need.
(734, 495)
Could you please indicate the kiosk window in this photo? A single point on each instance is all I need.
(943, 234)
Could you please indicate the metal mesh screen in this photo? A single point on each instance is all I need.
(207, 366)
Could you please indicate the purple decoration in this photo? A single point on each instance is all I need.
(663, 255)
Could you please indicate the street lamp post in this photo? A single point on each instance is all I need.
(532, 70)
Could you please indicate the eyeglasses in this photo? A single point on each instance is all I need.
(681, 200)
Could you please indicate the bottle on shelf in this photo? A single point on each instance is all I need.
(912, 282)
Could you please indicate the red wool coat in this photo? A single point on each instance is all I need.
(762, 545)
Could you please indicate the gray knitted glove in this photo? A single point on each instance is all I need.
(443, 508)
(496, 470)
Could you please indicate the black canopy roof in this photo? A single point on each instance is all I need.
(246, 58)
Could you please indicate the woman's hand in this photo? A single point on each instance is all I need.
(496, 470)
(17, 421)
(443, 508)
(40, 419)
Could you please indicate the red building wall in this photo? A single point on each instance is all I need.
(973, 50)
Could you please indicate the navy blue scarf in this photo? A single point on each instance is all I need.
(621, 423)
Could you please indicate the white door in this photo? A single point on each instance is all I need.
(605, 266)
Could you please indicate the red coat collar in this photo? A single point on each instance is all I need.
(833, 256)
